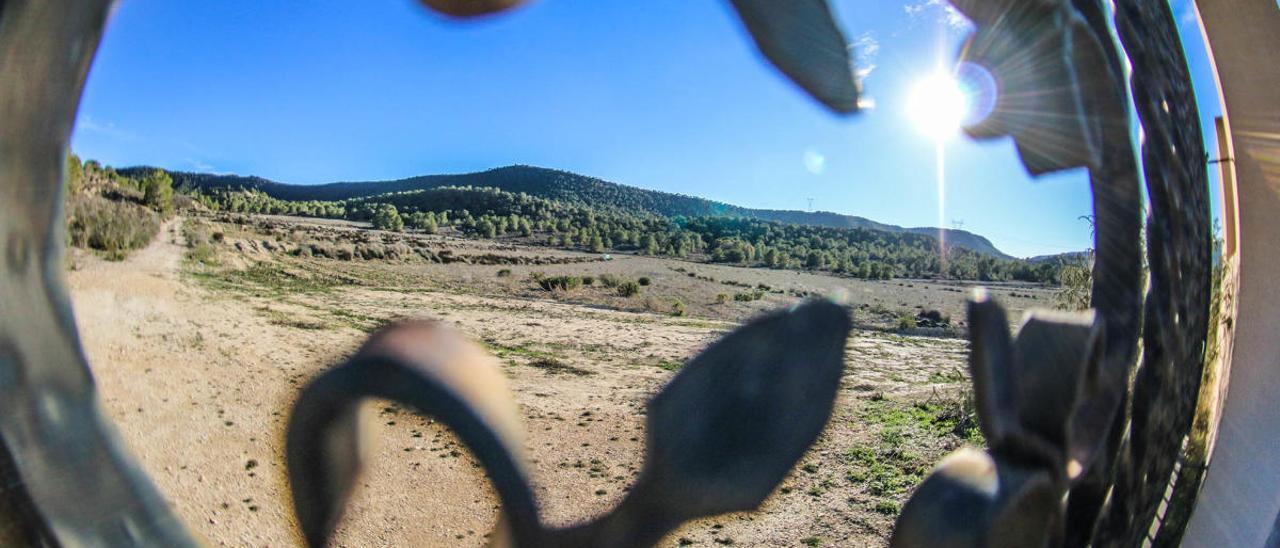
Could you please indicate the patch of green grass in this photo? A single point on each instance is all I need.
(276, 317)
(506, 351)
(534, 357)
(887, 507)
(952, 376)
(904, 435)
(355, 320)
(557, 367)
(203, 253)
(269, 280)
(669, 365)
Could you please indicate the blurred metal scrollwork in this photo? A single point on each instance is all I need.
(1054, 401)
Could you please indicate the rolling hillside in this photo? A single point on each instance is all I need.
(566, 187)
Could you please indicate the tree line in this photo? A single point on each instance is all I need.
(486, 212)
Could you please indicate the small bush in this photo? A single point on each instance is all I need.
(504, 273)
(610, 281)
(722, 298)
(563, 283)
(644, 281)
(748, 296)
(906, 323)
(887, 507)
(588, 280)
(628, 289)
(115, 228)
(371, 251)
(203, 253)
(677, 308)
(932, 318)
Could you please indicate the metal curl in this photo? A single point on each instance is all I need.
(722, 434)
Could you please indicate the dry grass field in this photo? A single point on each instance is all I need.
(201, 341)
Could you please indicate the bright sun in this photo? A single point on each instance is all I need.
(937, 106)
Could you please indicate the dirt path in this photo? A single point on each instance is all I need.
(200, 381)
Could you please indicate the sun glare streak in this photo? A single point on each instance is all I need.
(938, 106)
(940, 160)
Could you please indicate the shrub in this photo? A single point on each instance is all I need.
(932, 318)
(887, 507)
(722, 298)
(645, 281)
(748, 296)
(563, 283)
(610, 281)
(371, 251)
(203, 253)
(906, 323)
(588, 280)
(628, 289)
(114, 228)
(677, 308)
(504, 273)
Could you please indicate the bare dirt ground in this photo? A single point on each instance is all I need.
(198, 363)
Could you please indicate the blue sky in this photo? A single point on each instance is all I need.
(661, 94)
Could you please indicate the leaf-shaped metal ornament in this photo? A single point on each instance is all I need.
(1047, 64)
(802, 39)
(731, 425)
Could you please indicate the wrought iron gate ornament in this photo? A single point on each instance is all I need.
(1081, 438)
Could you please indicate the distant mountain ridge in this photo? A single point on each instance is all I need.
(570, 187)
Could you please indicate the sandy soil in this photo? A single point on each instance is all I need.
(200, 380)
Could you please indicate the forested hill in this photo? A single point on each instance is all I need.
(566, 187)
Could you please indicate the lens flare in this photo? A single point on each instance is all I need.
(937, 105)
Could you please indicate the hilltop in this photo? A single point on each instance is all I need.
(568, 187)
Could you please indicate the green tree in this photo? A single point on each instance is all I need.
(74, 174)
(386, 217)
(157, 190)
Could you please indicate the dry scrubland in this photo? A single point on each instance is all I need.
(201, 340)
